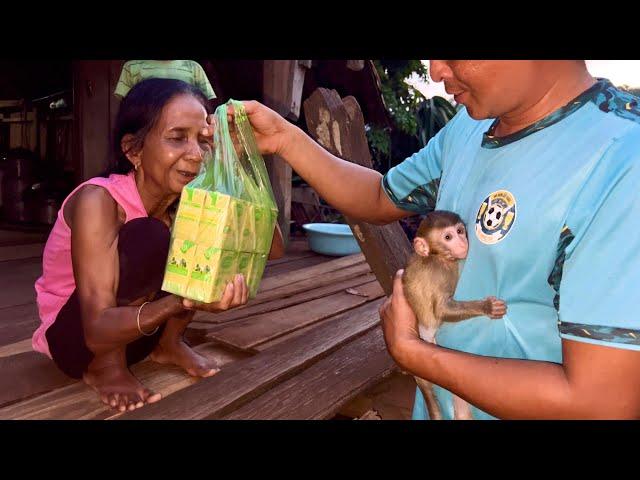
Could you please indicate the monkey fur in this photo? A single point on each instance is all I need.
(429, 282)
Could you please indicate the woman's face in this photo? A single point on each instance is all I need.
(174, 148)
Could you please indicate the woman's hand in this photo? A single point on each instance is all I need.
(235, 294)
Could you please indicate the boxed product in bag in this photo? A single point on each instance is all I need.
(226, 216)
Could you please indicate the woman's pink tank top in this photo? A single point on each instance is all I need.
(57, 282)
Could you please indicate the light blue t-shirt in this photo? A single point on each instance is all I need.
(553, 215)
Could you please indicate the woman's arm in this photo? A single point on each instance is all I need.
(92, 215)
(94, 219)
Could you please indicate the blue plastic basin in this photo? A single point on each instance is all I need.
(331, 239)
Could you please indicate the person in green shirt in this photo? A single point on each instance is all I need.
(189, 71)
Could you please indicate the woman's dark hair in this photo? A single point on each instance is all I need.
(140, 110)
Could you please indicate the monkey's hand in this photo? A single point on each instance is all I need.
(495, 308)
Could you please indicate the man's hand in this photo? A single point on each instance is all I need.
(399, 323)
(272, 132)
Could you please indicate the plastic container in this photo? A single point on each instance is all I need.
(333, 239)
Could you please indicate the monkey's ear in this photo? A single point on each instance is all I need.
(421, 246)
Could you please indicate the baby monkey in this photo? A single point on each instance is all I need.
(429, 282)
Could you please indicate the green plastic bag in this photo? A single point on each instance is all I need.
(226, 217)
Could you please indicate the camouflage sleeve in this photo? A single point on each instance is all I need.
(124, 82)
(202, 81)
(413, 184)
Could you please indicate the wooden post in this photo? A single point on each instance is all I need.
(355, 65)
(92, 122)
(282, 91)
(338, 125)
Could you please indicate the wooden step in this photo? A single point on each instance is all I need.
(319, 391)
(244, 380)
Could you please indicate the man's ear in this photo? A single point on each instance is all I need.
(421, 246)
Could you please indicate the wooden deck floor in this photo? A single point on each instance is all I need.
(304, 348)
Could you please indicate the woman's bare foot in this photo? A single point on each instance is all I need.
(181, 354)
(118, 388)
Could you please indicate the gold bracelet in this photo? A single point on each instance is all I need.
(138, 322)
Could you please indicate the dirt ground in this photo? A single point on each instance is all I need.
(391, 399)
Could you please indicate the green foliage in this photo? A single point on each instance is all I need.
(402, 102)
(432, 116)
(401, 99)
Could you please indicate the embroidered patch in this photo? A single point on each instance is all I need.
(496, 217)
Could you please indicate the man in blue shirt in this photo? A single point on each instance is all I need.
(543, 165)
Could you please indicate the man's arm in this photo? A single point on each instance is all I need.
(594, 381)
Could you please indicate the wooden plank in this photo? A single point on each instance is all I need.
(19, 252)
(245, 334)
(18, 322)
(10, 238)
(304, 285)
(260, 347)
(244, 380)
(279, 303)
(319, 391)
(281, 286)
(298, 245)
(78, 401)
(15, 348)
(17, 281)
(294, 265)
(387, 248)
(290, 257)
(27, 374)
(330, 266)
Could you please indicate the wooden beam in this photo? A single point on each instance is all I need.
(355, 65)
(280, 178)
(279, 303)
(91, 113)
(338, 125)
(76, 401)
(285, 285)
(244, 380)
(247, 333)
(282, 91)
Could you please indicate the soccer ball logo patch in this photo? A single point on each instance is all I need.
(496, 217)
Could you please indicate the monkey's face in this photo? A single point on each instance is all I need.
(451, 241)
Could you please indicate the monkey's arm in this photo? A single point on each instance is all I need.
(450, 310)
(453, 311)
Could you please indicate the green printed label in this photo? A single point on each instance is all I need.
(186, 245)
(210, 251)
(178, 269)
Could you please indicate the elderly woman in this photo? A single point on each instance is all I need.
(99, 296)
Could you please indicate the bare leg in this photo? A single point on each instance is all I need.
(430, 400)
(173, 350)
(461, 409)
(110, 377)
